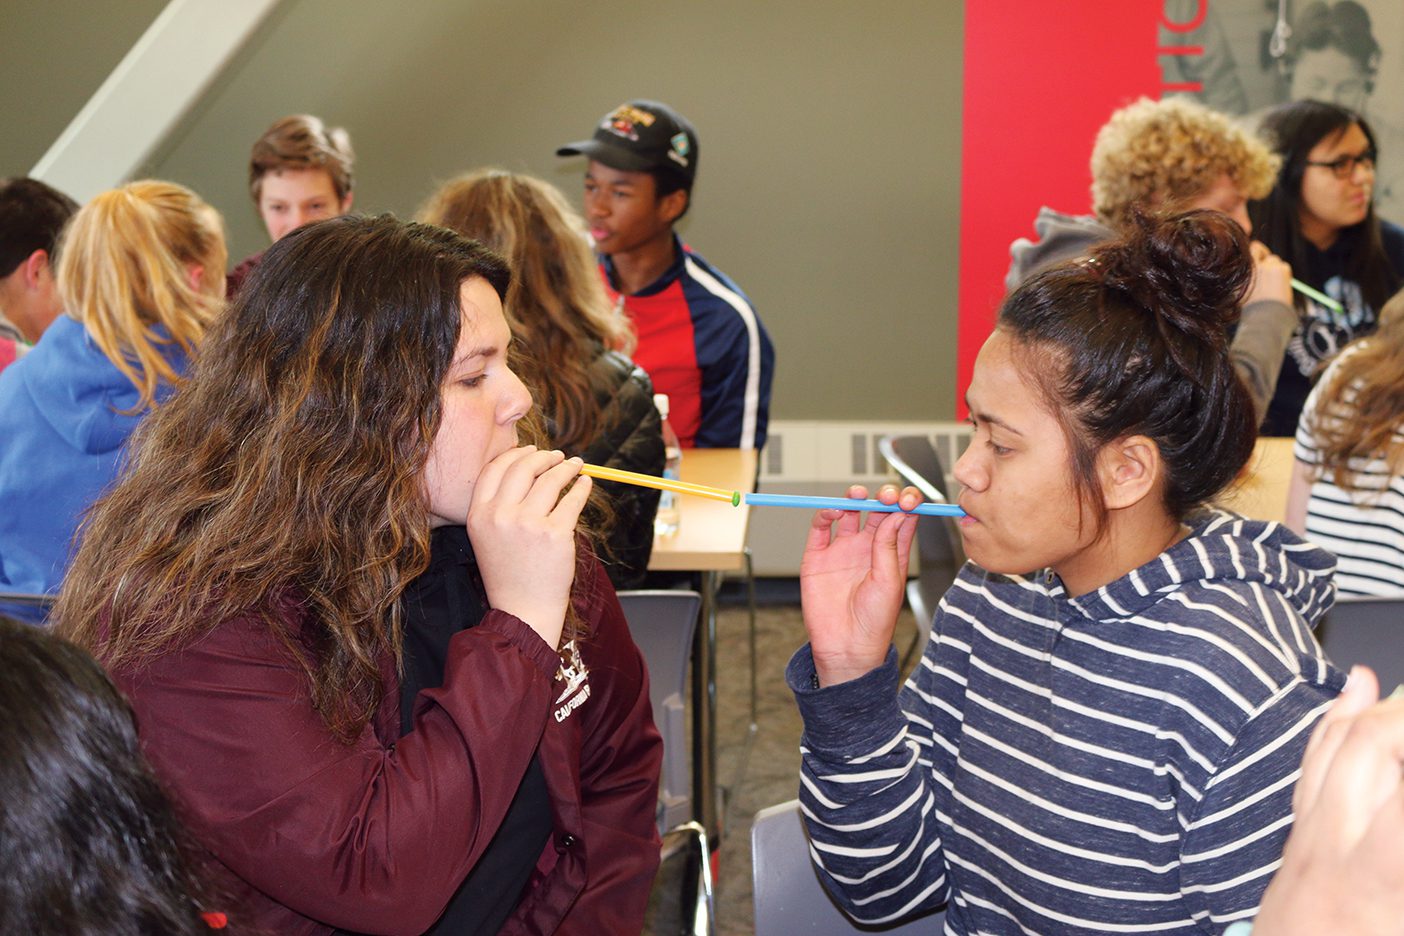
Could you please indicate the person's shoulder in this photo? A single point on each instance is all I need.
(1392, 239)
(615, 378)
(615, 367)
(697, 269)
(234, 281)
(975, 586)
(1391, 232)
(67, 355)
(1058, 237)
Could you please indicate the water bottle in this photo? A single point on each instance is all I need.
(665, 522)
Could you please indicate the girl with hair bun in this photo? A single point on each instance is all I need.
(1108, 719)
(141, 272)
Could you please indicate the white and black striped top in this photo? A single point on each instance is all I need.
(1121, 762)
(1363, 526)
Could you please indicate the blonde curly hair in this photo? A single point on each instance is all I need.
(1170, 151)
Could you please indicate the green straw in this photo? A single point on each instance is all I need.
(1319, 296)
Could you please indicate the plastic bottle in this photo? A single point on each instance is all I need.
(665, 522)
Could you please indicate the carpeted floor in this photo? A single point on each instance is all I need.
(765, 771)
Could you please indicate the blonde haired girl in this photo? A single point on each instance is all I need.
(1347, 486)
(141, 270)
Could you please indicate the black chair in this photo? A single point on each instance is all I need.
(939, 550)
(1362, 629)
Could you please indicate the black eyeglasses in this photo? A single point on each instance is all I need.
(1344, 166)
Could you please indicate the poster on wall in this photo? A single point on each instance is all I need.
(1248, 55)
(1041, 78)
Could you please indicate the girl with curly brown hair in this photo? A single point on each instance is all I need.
(368, 650)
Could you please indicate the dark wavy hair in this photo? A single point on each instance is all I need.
(290, 469)
(1294, 129)
(1134, 341)
(88, 840)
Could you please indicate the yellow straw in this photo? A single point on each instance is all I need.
(662, 484)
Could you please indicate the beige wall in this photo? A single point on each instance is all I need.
(53, 55)
(828, 180)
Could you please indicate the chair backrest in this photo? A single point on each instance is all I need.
(1366, 630)
(26, 606)
(939, 551)
(789, 899)
(662, 623)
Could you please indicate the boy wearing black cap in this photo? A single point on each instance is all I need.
(699, 338)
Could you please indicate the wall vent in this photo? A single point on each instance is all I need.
(825, 457)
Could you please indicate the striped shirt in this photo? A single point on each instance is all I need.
(703, 345)
(1363, 526)
(1119, 762)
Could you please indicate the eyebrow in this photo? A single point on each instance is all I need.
(987, 418)
(484, 352)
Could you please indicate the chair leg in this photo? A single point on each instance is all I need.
(699, 906)
(751, 607)
(743, 762)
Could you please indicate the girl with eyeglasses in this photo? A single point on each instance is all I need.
(1320, 218)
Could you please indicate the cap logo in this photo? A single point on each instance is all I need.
(679, 150)
(625, 121)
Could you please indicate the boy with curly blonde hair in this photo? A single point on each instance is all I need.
(1177, 155)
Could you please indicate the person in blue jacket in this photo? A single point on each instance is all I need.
(141, 271)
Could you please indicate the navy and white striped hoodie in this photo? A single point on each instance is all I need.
(1119, 762)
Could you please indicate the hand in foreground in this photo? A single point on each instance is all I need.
(523, 534)
(852, 579)
(1343, 868)
(1272, 276)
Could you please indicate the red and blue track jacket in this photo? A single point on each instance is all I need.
(704, 346)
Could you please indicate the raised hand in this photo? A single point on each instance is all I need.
(852, 579)
(1343, 868)
(523, 532)
(1272, 276)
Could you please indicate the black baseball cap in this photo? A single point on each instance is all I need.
(642, 136)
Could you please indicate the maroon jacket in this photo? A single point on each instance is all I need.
(376, 836)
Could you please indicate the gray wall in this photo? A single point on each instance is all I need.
(53, 55)
(828, 180)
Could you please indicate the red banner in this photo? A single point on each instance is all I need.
(1041, 77)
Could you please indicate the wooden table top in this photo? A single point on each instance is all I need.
(1262, 492)
(711, 535)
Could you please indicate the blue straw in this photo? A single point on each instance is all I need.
(848, 503)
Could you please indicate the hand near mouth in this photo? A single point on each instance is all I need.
(851, 583)
(526, 504)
